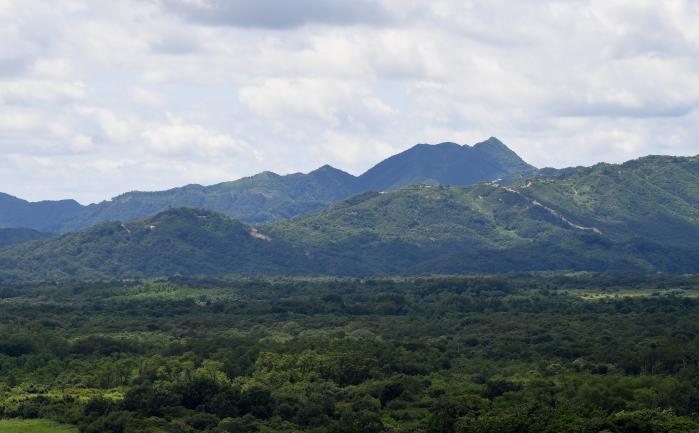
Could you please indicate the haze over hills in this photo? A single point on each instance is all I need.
(43, 215)
(257, 199)
(18, 236)
(642, 215)
(268, 197)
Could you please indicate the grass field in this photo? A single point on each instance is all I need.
(34, 426)
(593, 295)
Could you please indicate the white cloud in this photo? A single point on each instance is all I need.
(18, 121)
(299, 97)
(146, 97)
(21, 92)
(82, 143)
(177, 138)
(58, 69)
(84, 86)
(114, 127)
(346, 150)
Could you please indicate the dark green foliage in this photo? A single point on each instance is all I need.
(18, 236)
(178, 241)
(16, 345)
(584, 353)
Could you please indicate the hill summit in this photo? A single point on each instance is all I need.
(175, 241)
(444, 164)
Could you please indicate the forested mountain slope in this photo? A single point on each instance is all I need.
(264, 197)
(177, 241)
(637, 216)
(655, 197)
(18, 236)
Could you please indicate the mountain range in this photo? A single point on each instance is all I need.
(640, 216)
(268, 197)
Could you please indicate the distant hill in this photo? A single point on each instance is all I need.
(18, 236)
(639, 216)
(177, 241)
(478, 229)
(444, 164)
(268, 197)
(257, 199)
(655, 198)
(45, 216)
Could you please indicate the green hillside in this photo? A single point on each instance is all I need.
(483, 228)
(641, 216)
(18, 236)
(393, 231)
(656, 197)
(178, 241)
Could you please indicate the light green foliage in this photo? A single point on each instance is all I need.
(34, 426)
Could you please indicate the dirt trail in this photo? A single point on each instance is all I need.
(552, 212)
(257, 235)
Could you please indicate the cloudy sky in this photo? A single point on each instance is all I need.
(102, 97)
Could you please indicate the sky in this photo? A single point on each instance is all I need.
(102, 97)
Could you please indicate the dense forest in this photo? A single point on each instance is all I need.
(507, 353)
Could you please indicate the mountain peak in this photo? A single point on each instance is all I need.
(497, 150)
(186, 213)
(327, 168)
(491, 142)
(443, 145)
(445, 163)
